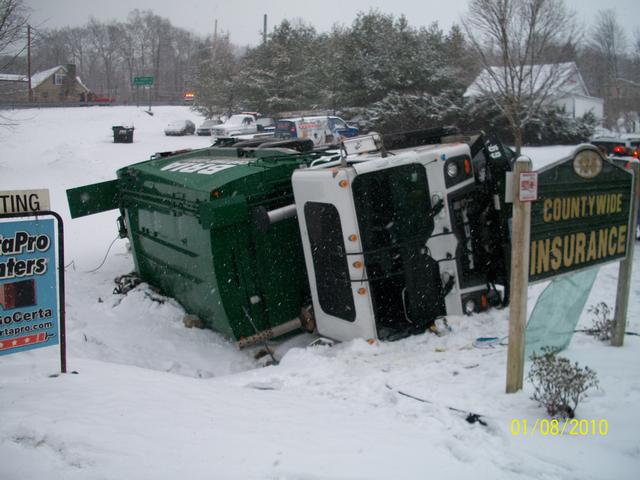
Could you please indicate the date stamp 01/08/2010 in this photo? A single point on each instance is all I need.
(555, 427)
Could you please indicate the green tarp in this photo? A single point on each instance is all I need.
(557, 311)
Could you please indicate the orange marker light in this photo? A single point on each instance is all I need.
(362, 291)
(353, 237)
(343, 183)
(483, 302)
(467, 167)
(215, 194)
(357, 264)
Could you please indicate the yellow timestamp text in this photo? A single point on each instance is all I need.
(555, 427)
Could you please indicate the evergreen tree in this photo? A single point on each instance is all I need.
(216, 80)
(276, 76)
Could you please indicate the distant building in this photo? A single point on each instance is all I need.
(13, 88)
(56, 85)
(571, 91)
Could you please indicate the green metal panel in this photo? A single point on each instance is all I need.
(280, 272)
(579, 222)
(190, 224)
(91, 199)
(224, 212)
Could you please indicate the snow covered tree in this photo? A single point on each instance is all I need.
(383, 54)
(513, 38)
(276, 76)
(216, 79)
(462, 64)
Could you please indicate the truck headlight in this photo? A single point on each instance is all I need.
(469, 307)
(452, 169)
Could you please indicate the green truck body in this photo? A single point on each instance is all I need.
(189, 218)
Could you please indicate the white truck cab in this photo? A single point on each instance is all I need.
(387, 241)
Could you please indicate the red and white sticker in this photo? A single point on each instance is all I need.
(528, 186)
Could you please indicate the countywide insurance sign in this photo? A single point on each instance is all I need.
(581, 217)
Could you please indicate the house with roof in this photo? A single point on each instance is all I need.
(562, 81)
(59, 84)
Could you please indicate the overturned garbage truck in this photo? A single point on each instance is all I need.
(376, 239)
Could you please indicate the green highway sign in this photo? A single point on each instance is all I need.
(582, 215)
(138, 81)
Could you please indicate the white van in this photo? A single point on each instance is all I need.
(323, 130)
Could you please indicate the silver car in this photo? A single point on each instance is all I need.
(180, 127)
(207, 126)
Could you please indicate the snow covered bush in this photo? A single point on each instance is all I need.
(552, 126)
(602, 327)
(397, 112)
(559, 385)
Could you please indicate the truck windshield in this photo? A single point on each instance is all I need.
(236, 120)
(394, 216)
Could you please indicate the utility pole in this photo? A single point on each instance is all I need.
(214, 44)
(29, 63)
(264, 30)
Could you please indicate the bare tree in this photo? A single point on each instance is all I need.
(520, 45)
(157, 32)
(13, 22)
(605, 61)
(104, 38)
(78, 41)
(635, 56)
(609, 41)
(183, 50)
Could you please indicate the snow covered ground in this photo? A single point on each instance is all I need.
(153, 399)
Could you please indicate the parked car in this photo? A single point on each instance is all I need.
(207, 126)
(180, 127)
(103, 100)
(617, 146)
(323, 130)
(240, 124)
(634, 142)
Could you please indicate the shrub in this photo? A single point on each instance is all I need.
(551, 126)
(397, 112)
(602, 327)
(559, 385)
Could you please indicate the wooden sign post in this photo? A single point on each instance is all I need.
(624, 274)
(520, 232)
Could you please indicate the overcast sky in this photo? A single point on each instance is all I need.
(243, 18)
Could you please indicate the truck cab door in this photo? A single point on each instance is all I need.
(333, 253)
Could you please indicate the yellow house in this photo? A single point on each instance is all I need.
(59, 84)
